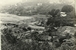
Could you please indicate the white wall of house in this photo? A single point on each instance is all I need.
(63, 14)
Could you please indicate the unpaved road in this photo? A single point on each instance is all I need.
(10, 18)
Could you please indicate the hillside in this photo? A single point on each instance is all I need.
(31, 8)
(12, 18)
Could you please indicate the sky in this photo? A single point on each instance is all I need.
(4, 2)
(8, 2)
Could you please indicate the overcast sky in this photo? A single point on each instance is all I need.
(8, 2)
(4, 2)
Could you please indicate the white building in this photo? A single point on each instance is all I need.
(63, 14)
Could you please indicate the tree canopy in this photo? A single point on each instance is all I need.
(67, 8)
(54, 12)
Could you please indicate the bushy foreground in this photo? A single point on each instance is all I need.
(18, 38)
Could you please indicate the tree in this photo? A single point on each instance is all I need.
(54, 13)
(67, 8)
(57, 12)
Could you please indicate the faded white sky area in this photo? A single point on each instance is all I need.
(8, 2)
(5, 2)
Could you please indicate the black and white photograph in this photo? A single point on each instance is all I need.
(37, 25)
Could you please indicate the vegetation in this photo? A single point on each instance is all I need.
(23, 37)
(69, 8)
(27, 9)
(18, 38)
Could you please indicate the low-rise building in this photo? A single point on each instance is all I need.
(63, 14)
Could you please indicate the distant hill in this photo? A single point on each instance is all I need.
(30, 8)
